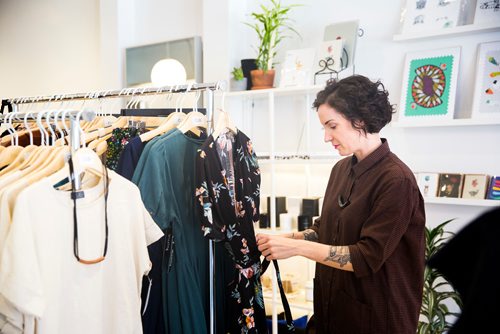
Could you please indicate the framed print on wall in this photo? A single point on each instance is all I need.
(429, 85)
(430, 15)
(487, 87)
(487, 11)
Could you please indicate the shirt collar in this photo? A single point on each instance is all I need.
(358, 168)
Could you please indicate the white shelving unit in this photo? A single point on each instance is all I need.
(461, 201)
(456, 31)
(271, 158)
(451, 122)
(276, 91)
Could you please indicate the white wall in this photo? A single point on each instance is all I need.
(473, 149)
(48, 47)
(54, 46)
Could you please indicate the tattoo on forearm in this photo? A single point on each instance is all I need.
(310, 235)
(340, 255)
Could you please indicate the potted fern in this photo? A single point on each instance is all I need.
(270, 25)
(238, 80)
(434, 313)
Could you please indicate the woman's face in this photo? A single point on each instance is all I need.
(339, 131)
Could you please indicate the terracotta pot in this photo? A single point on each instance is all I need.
(261, 79)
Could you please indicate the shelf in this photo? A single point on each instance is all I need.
(461, 201)
(456, 31)
(440, 122)
(265, 162)
(296, 301)
(276, 91)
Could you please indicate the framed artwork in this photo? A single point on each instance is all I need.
(429, 85)
(475, 186)
(450, 185)
(346, 31)
(333, 50)
(487, 87)
(297, 69)
(487, 11)
(430, 15)
(428, 183)
(494, 188)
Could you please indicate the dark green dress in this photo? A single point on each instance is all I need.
(166, 177)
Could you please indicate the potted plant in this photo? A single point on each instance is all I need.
(238, 81)
(437, 291)
(270, 26)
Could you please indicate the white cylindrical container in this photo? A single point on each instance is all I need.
(286, 222)
(309, 289)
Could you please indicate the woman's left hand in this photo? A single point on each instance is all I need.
(277, 247)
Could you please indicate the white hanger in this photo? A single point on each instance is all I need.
(26, 125)
(194, 119)
(47, 121)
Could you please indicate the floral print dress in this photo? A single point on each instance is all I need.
(228, 193)
(119, 138)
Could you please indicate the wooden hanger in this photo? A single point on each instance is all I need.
(85, 162)
(24, 155)
(192, 122)
(9, 154)
(223, 122)
(172, 120)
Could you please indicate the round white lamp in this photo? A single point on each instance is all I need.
(168, 72)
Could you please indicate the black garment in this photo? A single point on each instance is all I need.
(469, 261)
(129, 157)
(228, 192)
(151, 295)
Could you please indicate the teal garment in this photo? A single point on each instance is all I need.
(166, 178)
(145, 154)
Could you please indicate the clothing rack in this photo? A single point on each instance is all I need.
(8, 103)
(209, 88)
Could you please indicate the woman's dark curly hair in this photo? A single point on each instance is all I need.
(358, 99)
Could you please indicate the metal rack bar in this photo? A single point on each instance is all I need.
(7, 103)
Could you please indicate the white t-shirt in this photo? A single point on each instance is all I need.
(40, 275)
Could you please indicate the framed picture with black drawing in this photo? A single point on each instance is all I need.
(475, 186)
(487, 86)
(429, 85)
(487, 11)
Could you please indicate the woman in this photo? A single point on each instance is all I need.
(369, 241)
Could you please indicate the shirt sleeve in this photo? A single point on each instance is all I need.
(388, 221)
(153, 231)
(20, 278)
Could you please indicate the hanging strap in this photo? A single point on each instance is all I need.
(284, 301)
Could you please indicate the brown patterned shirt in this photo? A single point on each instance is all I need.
(383, 225)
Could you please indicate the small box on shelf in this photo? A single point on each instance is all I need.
(280, 207)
